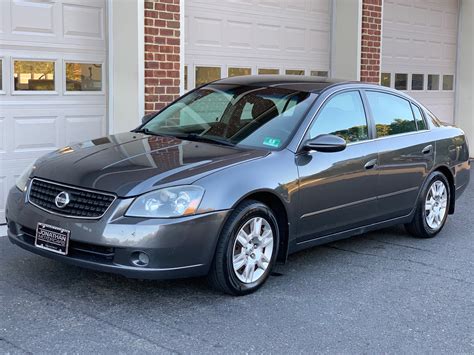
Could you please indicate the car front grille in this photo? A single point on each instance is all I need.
(82, 203)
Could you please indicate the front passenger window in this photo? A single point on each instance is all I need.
(344, 116)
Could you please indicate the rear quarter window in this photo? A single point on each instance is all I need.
(420, 121)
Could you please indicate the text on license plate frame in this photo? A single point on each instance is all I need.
(52, 238)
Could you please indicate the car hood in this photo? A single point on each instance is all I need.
(129, 164)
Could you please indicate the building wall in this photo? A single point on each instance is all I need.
(346, 39)
(371, 41)
(162, 53)
(464, 107)
(125, 104)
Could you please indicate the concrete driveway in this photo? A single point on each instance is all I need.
(380, 292)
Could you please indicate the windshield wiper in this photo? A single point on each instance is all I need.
(150, 132)
(197, 138)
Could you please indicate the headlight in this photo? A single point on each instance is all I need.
(169, 202)
(22, 181)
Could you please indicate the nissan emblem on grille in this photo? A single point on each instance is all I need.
(68, 201)
(62, 199)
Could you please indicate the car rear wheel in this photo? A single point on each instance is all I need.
(432, 208)
(246, 250)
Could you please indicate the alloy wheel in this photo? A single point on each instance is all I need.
(253, 249)
(436, 204)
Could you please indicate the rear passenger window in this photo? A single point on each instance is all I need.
(420, 122)
(392, 114)
(343, 116)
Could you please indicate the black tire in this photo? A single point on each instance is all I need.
(419, 227)
(222, 276)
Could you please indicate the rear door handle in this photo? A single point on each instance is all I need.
(427, 149)
(370, 164)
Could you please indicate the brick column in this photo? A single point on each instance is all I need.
(162, 53)
(371, 52)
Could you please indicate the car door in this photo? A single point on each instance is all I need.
(406, 152)
(336, 190)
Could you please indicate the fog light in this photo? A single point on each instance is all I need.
(140, 259)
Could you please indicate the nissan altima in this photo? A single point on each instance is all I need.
(234, 176)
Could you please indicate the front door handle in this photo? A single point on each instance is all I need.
(427, 149)
(370, 164)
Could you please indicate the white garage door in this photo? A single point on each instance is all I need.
(419, 51)
(238, 37)
(53, 87)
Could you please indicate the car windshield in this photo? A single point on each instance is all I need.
(261, 117)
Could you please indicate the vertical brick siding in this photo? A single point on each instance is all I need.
(371, 41)
(162, 53)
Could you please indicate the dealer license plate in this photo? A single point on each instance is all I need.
(52, 238)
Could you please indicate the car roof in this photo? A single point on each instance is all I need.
(295, 82)
(312, 84)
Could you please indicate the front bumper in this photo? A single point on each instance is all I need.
(177, 247)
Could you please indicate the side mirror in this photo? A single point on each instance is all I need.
(325, 143)
(148, 117)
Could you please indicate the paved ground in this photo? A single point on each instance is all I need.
(381, 292)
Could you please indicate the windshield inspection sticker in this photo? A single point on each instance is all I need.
(272, 142)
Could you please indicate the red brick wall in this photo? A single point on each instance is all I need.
(162, 53)
(371, 41)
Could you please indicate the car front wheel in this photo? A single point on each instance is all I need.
(246, 250)
(432, 208)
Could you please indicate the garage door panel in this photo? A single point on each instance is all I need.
(319, 7)
(239, 34)
(319, 42)
(35, 133)
(83, 21)
(31, 17)
(297, 5)
(268, 37)
(451, 21)
(421, 38)
(33, 123)
(83, 127)
(294, 39)
(207, 31)
(271, 33)
(79, 22)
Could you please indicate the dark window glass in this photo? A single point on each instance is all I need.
(420, 122)
(265, 71)
(392, 114)
(238, 72)
(433, 82)
(207, 74)
(417, 81)
(32, 75)
(263, 117)
(321, 73)
(343, 116)
(386, 79)
(185, 77)
(401, 81)
(294, 72)
(448, 82)
(83, 77)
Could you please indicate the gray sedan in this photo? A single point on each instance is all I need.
(232, 177)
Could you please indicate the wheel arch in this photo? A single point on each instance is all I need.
(276, 204)
(446, 171)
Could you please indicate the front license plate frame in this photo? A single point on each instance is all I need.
(52, 238)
